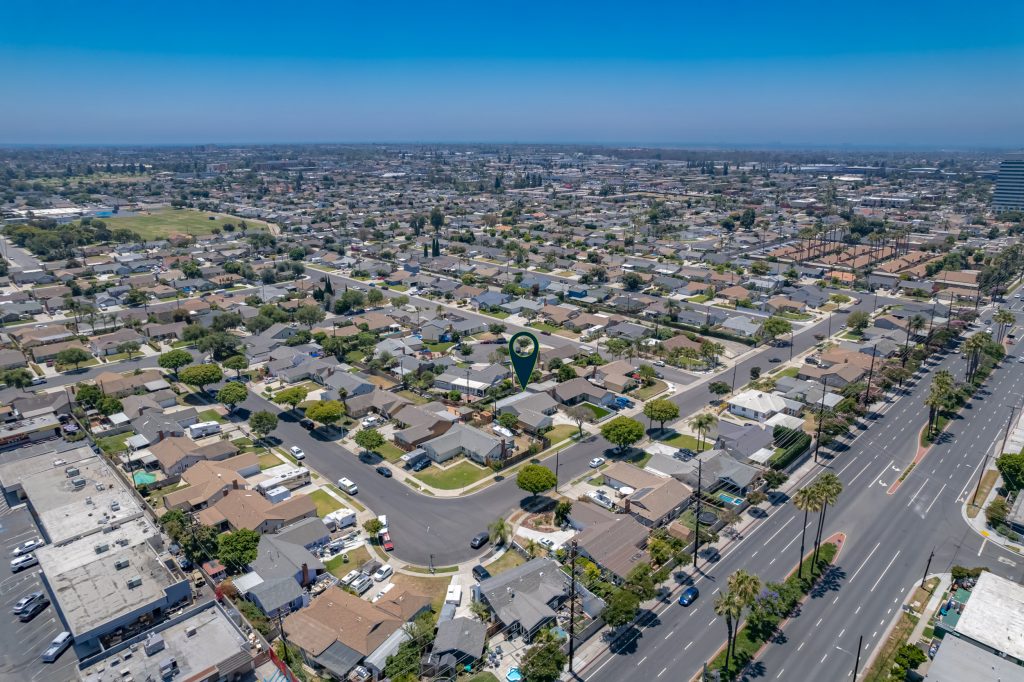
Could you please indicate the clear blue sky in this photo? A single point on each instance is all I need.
(896, 73)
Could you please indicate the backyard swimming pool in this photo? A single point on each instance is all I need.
(143, 477)
(730, 499)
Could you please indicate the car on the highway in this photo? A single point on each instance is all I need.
(383, 471)
(34, 610)
(57, 647)
(774, 360)
(658, 363)
(23, 562)
(596, 462)
(28, 546)
(481, 573)
(27, 602)
(479, 540)
(297, 452)
(689, 596)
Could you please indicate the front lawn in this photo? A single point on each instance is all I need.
(325, 504)
(390, 451)
(458, 476)
(546, 327)
(243, 444)
(439, 347)
(648, 392)
(510, 559)
(559, 433)
(269, 460)
(414, 398)
(211, 416)
(790, 372)
(500, 314)
(114, 444)
(599, 412)
(434, 588)
(337, 566)
(682, 440)
(354, 356)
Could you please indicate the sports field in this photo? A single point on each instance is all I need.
(156, 224)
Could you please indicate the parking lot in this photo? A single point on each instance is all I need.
(24, 642)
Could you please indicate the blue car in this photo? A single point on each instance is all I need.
(688, 596)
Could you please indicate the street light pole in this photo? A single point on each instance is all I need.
(821, 417)
(856, 664)
(572, 604)
(696, 518)
(928, 565)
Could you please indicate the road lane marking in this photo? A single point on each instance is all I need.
(841, 632)
(688, 645)
(923, 484)
(982, 548)
(859, 473)
(642, 661)
(780, 673)
(801, 646)
(670, 634)
(662, 671)
(891, 561)
(864, 562)
(778, 531)
(934, 500)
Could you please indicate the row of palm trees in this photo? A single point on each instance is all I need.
(742, 589)
(816, 497)
(942, 395)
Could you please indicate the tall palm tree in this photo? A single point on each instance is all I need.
(939, 397)
(729, 607)
(1005, 320)
(828, 488)
(702, 423)
(974, 347)
(806, 500)
(746, 586)
(914, 325)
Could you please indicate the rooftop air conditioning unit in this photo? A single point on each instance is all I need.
(100, 549)
(71, 471)
(78, 482)
(121, 563)
(190, 631)
(135, 581)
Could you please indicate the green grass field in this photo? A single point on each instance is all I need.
(186, 221)
(458, 476)
(325, 504)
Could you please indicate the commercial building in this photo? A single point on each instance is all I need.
(1009, 192)
(991, 619)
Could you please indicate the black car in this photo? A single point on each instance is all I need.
(34, 610)
(421, 465)
(479, 540)
(307, 424)
(481, 573)
(384, 471)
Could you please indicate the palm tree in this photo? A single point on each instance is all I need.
(939, 394)
(914, 324)
(806, 501)
(746, 586)
(828, 489)
(729, 607)
(702, 423)
(1005, 319)
(499, 530)
(974, 347)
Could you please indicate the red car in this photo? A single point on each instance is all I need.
(385, 539)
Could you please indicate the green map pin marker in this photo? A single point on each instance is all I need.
(522, 363)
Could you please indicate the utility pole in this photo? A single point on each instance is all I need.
(284, 640)
(696, 525)
(981, 474)
(856, 664)
(734, 377)
(791, 345)
(572, 603)
(928, 565)
(871, 374)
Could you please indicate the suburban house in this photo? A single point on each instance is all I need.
(523, 599)
(461, 439)
(120, 385)
(459, 643)
(419, 423)
(616, 376)
(759, 405)
(51, 350)
(176, 454)
(534, 409)
(248, 509)
(580, 390)
(208, 481)
(616, 544)
(278, 575)
(108, 344)
(339, 631)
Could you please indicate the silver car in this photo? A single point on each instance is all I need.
(57, 647)
(26, 603)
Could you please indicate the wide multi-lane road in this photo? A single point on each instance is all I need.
(888, 540)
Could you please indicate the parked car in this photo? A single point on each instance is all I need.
(659, 363)
(481, 573)
(385, 541)
(27, 602)
(297, 452)
(370, 421)
(421, 465)
(479, 540)
(384, 471)
(23, 562)
(689, 596)
(57, 647)
(28, 546)
(596, 462)
(350, 578)
(383, 573)
(307, 424)
(34, 610)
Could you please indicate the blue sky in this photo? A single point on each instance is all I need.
(942, 74)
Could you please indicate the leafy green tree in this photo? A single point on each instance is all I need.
(499, 531)
(129, 348)
(1011, 467)
(72, 356)
(232, 394)
(702, 424)
(436, 219)
(310, 315)
(565, 373)
(622, 608)
(908, 657)
(237, 363)
(775, 327)
(374, 297)
(647, 374)
(543, 662)
(372, 527)
(661, 411)
(261, 423)
(632, 281)
(88, 394)
(640, 582)
(221, 344)
(535, 479)
(562, 511)
(291, 396)
(508, 420)
(108, 405)
(238, 549)
(580, 415)
(135, 298)
(19, 378)
(719, 388)
(201, 376)
(622, 432)
(996, 512)
(175, 360)
(858, 320)
(326, 412)
(369, 439)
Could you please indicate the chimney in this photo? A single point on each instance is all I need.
(305, 573)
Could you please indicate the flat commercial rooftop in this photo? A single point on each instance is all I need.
(17, 465)
(994, 616)
(98, 592)
(959, 661)
(214, 643)
(68, 511)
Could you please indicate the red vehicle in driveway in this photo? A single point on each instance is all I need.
(385, 540)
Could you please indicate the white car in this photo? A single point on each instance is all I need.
(596, 462)
(383, 573)
(297, 452)
(370, 421)
(547, 542)
(28, 546)
(57, 647)
(350, 578)
(23, 562)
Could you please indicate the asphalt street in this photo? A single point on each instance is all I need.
(889, 537)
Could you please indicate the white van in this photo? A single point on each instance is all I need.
(383, 573)
(361, 584)
(203, 429)
(383, 518)
(348, 485)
